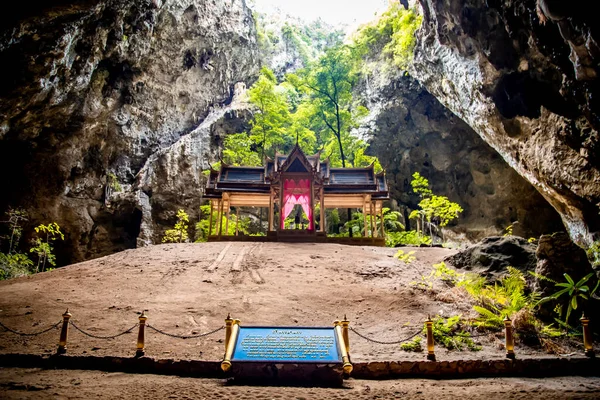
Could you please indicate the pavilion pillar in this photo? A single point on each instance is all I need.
(210, 218)
(271, 211)
(311, 222)
(382, 230)
(365, 218)
(227, 220)
(221, 217)
(371, 211)
(322, 210)
(237, 220)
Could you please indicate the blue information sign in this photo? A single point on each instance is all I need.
(287, 345)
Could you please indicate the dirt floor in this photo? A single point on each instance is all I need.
(189, 289)
(41, 384)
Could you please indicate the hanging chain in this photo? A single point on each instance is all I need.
(185, 336)
(30, 334)
(382, 342)
(102, 337)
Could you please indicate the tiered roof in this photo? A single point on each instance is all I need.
(334, 180)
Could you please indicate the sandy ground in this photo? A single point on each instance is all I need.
(41, 384)
(189, 289)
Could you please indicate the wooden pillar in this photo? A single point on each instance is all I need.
(210, 218)
(311, 222)
(221, 217)
(271, 210)
(371, 211)
(382, 228)
(227, 219)
(237, 220)
(322, 200)
(365, 218)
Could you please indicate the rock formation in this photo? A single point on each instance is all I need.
(95, 91)
(528, 88)
(410, 131)
(494, 254)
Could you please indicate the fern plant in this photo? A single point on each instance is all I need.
(574, 291)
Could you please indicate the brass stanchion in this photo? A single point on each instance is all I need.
(430, 342)
(140, 340)
(510, 341)
(231, 334)
(64, 333)
(345, 333)
(588, 343)
(347, 365)
(228, 325)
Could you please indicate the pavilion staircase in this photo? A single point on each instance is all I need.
(297, 235)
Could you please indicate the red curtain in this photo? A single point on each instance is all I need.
(296, 192)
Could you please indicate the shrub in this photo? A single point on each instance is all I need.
(412, 345)
(449, 333)
(179, 233)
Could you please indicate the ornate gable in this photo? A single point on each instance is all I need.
(296, 162)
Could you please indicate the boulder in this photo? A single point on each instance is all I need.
(493, 254)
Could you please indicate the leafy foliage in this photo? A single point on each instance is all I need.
(437, 210)
(392, 34)
(500, 300)
(412, 345)
(14, 265)
(179, 233)
(408, 238)
(406, 258)
(16, 217)
(203, 230)
(449, 333)
(574, 292)
(43, 244)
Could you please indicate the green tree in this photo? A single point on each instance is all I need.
(437, 210)
(330, 81)
(16, 218)
(272, 119)
(179, 233)
(43, 245)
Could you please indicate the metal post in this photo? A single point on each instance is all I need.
(64, 333)
(510, 342)
(430, 342)
(588, 343)
(140, 340)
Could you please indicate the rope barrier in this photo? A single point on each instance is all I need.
(382, 342)
(30, 334)
(185, 336)
(102, 337)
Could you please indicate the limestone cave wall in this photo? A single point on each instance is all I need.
(524, 75)
(93, 92)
